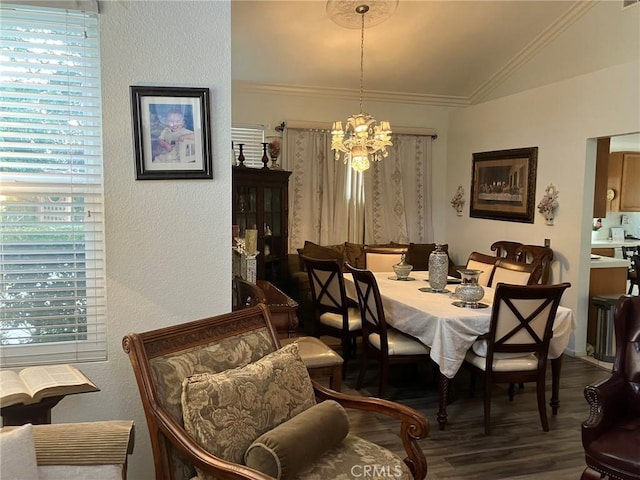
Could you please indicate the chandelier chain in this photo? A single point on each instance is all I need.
(364, 140)
(362, 61)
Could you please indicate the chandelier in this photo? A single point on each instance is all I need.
(363, 139)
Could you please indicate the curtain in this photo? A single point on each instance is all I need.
(398, 193)
(319, 197)
(327, 198)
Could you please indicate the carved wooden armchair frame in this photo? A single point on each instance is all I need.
(175, 449)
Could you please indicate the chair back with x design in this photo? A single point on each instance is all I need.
(517, 344)
(522, 318)
(337, 315)
(327, 284)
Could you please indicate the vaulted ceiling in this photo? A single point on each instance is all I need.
(434, 52)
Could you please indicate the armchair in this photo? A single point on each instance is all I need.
(611, 434)
(169, 361)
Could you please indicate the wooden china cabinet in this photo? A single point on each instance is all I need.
(261, 202)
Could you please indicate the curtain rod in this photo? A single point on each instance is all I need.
(310, 125)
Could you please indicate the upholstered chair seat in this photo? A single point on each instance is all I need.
(399, 344)
(334, 320)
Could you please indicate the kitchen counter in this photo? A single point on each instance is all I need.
(611, 244)
(598, 261)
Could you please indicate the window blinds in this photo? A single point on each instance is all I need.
(52, 272)
(251, 137)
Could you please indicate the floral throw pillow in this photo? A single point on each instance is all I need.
(225, 412)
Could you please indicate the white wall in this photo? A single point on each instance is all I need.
(251, 106)
(168, 242)
(558, 119)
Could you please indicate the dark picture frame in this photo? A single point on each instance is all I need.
(503, 185)
(171, 132)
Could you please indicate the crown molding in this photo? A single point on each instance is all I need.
(572, 15)
(347, 94)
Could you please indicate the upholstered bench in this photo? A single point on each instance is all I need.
(73, 451)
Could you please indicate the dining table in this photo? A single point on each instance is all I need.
(412, 307)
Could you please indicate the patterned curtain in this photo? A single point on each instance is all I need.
(327, 198)
(398, 193)
(320, 192)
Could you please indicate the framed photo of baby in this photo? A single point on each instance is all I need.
(171, 133)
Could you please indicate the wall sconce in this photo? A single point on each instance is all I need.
(549, 203)
(457, 201)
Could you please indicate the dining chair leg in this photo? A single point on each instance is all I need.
(363, 368)
(346, 350)
(542, 408)
(487, 406)
(384, 378)
(511, 391)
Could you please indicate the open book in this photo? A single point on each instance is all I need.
(32, 384)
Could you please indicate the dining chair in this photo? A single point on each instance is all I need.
(338, 317)
(319, 358)
(516, 347)
(632, 272)
(483, 262)
(540, 256)
(505, 249)
(382, 259)
(380, 341)
(514, 273)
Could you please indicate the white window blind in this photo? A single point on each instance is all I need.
(251, 138)
(52, 273)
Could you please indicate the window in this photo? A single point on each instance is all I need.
(52, 292)
(251, 137)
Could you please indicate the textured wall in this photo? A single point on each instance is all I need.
(168, 241)
(562, 120)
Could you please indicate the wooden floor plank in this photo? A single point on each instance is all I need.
(517, 449)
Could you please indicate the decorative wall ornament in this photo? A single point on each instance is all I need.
(549, 203)
(457, 201)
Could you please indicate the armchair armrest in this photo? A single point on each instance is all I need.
(414, 425)
(603, 399)
(198, 456)
(89, 443)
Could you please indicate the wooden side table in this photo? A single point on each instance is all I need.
(283, 309)
(34, 413)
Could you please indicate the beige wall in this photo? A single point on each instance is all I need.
(559, 119)
(168, 242)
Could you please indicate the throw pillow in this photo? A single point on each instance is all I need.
(355, 254)
(299, 442)
(225, 412)
(18, 459)
(321, 252)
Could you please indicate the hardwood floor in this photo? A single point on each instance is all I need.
(518, 448)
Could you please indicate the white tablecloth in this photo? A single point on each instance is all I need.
(448, 330)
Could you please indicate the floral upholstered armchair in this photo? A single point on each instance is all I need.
(222, 400)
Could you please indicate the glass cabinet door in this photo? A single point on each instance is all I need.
(246, 208)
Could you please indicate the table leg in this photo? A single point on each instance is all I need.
(443, 395)
(34, 413)
(556, 366)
